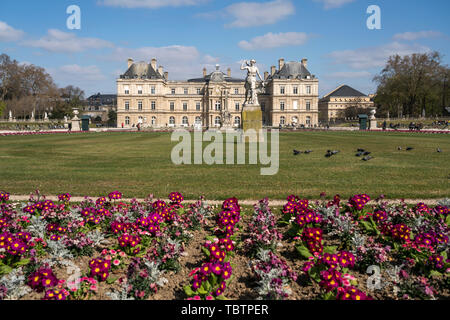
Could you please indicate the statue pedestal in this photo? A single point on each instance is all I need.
(252, 120)
(76, 125)
(373, 124)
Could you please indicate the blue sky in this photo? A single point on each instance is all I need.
(187, 35)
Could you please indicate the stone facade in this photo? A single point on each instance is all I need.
(146, 96)
(334, 104)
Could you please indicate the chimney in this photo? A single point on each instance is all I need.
(273, 69)
(166, 75)
(153, 64)
(281, 63)
(266, 76)
(161, 70)
(305, 63)
(130, 63)
(229, 72)
(204, 72)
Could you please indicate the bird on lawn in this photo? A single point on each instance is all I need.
(296, 152)
(367, 153)
(308, 151)
(335, 152)
(359, 154)
(409, 149)
(361, 150)
(439, 150)
(399, 149)
(329, 154)
(367, 158)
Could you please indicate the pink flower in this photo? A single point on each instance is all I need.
(209, 298)
(113, 252)
(197, 298)
(94, 288)
(108, 257)
(104, 251)
(116, 262)
(122, 254)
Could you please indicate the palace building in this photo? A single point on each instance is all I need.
(146, 96)
(333, 105)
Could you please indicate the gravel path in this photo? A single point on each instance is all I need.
(430, 202)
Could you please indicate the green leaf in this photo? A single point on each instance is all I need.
(221, 297)
(188, 291)
(206, 252)
(22, 262)
(329, 296)
(368, 226)
(303, 251)
(434, 273)
(5, 270)
(330, 249)
(314, 273)
(447, 220)
(111, 280)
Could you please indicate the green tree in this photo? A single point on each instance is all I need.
(112, 117)
(410, 84)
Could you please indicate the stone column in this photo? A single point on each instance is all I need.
(76, 126)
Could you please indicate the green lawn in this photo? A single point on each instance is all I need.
(138, 164)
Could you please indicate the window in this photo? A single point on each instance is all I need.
(237, 106)
(237, 121)
(153, 90)
(218, 106)
(236, 91)
(173, 90)
(294, 120)
(127, 121)
(127, 105)
(308, 105)
(282, 105)
(308, 89)
(140, 105)
(199, 91)
(198, 106)
(198, 121)
(217, 121)
(186, 91)
(153, 105)
(139, 89)
(153, 121)
(308, 120)
(185, 106)
(185, 121)
(282, 121)
(141, 120)
(172, 121)
(295, 90)
(172, 106)
(126, 88)
(282, 90)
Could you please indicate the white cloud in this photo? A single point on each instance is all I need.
(251, 14)
(59, 41)
(374, 57)
(8, 33)
(332, 4)
(349, 74)
(150, 4)
(182, 62)
(411, 36)
(275, 40)
(89, 73)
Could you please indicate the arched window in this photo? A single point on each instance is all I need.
(141, 120)
(185, 121)
(308, 120)
(153, 121)
(294, 120)
(172, 121)
(282, 121)
(237, 121)
(198, 121)
(218, 121)
(127, 121)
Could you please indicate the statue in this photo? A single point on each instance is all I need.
(251, 94)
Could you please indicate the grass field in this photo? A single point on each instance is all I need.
(138, 164)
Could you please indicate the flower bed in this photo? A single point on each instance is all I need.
(107, 249)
